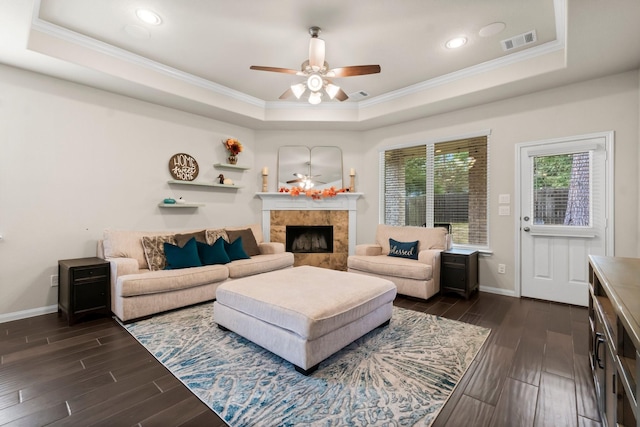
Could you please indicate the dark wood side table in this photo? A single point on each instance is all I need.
(84, 287)
(459, 271)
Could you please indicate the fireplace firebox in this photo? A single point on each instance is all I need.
(309, 238)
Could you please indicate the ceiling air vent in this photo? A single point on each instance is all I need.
(357, 96)
(519, 40)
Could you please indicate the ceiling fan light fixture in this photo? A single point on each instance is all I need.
(315, 98)
(332, 90)
(315, 83)
(298, 89)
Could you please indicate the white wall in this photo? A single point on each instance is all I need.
(605, 104)
(77, 160)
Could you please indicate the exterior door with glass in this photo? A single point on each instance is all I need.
(563, 216)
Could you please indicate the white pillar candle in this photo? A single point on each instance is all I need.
(352, 172)
(265, 171)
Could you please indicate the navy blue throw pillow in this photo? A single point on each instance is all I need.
(182, 257)
(235, 250)
(213, 254)
(403, 249)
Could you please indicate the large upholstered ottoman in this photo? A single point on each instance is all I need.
(304, 314)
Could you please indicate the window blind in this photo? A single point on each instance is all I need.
(439, 184)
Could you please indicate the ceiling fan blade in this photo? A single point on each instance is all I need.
(287, 93)
(354, 70)
(274, 69)
(341, 96)
(294, 180)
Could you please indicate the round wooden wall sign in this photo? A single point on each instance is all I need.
(183, 167)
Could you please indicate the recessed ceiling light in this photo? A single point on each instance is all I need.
(492, 29)
(148, 17)
(456, 42)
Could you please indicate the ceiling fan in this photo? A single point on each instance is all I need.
(317, 73)
(306, 182)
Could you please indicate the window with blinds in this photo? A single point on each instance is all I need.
(439, 184)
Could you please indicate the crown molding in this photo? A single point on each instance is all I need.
(87, 42)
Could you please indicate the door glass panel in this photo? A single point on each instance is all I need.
(562, 190)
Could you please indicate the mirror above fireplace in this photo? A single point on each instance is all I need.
(316, 167)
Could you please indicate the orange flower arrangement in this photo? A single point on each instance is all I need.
(314, 194)
(233, 146)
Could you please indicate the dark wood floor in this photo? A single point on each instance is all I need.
(533, 370)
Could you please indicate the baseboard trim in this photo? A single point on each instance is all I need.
(498, 291)
(32, 312)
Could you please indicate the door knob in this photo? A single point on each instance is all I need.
(526, 218)
(527, 229)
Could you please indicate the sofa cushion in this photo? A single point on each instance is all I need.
(235, 250)
(428, 238)
(184, 257)
(154, 250)
(407, 250)
(259, 264)
(391, 266)
(213, 254)
(248, 240)
(183, 238)
(155, 282)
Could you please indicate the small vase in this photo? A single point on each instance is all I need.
(232, 159)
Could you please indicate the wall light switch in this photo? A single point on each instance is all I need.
(504, 198)
(504, 210)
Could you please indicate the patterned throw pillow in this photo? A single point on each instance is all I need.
(212, 235)
(154, 250)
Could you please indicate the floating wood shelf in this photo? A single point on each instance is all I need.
(180, 205)
(229, 166)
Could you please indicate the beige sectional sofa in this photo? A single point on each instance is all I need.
(418, 277)
(140, 288)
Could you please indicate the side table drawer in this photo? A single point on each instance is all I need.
(90, 273)
(455, 259)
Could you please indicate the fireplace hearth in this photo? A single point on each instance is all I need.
(309, 238)
(280, 210)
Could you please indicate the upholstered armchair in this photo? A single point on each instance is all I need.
(408, 256)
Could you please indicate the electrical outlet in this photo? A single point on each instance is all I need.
(54, 280)
(502, 268)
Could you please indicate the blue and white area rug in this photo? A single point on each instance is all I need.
(401, 374)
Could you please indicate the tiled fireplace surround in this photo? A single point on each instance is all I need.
(281, 209)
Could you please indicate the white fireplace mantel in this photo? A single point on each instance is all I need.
(286, 202)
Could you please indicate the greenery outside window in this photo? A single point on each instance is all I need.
(438, 184)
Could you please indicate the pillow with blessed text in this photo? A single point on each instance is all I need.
(403, 249)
